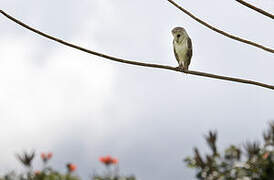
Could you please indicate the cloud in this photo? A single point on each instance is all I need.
(54, 98)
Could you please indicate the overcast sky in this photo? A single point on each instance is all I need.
(80, 107)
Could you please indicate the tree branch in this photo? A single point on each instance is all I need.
(197, 73)
(220, 31)
(256, 9)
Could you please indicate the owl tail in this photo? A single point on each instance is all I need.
(186, 64)
(186, 67)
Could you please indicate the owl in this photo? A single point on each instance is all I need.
(182, 47)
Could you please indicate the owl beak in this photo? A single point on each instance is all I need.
(178, 37)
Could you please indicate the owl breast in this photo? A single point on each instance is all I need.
(181, 50)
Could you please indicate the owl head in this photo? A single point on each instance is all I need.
(179, 33)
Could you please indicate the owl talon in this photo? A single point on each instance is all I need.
(180, 68)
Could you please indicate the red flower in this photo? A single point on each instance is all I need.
(71, 167)
(45, 157)
(114, 161)
(50, 155)
(108, 160)
(265, 155)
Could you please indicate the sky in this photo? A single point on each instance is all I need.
(80, 107)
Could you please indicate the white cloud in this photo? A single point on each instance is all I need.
(40, 103)
(80, 106)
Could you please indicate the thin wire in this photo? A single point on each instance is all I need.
(256, 9)
(197, 73)
(220, 31)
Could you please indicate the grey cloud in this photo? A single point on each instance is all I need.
(150, 119)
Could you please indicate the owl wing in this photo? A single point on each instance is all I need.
(189, 53)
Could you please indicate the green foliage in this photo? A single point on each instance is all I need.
(253, 161)
(113, 178)
(48, 173)
(44, 175)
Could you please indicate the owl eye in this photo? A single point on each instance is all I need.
(178, 35)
